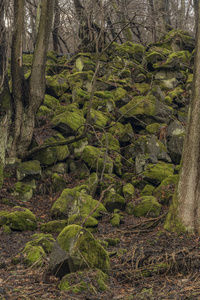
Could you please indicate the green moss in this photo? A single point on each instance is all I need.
(173, 223)
(176, 92)
(20, 219)
(23, 191)
(156, 173)
(59, 182)
(53, 226)
(51, 155)
(148, 207)
(168, 100)
(97, 159)
(98, 118)
(72, 122)
(6, 230)
(130, 50)
(128, 191)
(141, 88)
(113, 201)
(75, 202)
(80, 80)
(28, 168)
(164, 192)
(115, 220)
(34, 255)
(45, 111)
(73, 238)
(139, 105)
(153, 128)
(57, 85)
(76, 282)
(1, 173)
(119, 94)
(110, 142)
(147, 190)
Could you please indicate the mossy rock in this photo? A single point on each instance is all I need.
(69, 123)
(75, 202)
(139, 105)
(91, 223)
(75, 282)
(114, 201)
(128, 191)
(23, 191)
(84, 63)
(156, 173)
(97, 159)
(120, 96)
(51, 155)
(55, 226)
(57, 85)
(76, 249)
(148, 190)
(111, 143)
(164, 192)
(81, 80)
(148, 207)
(18, 219)
(130, 51)
(28, 169)
(99, 118)
(153, 128)
(116, 219)
(177, 40)
(174, 60)
(122, 132)
(33, 256)
(59, 182)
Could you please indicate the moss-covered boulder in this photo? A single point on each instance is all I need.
(130, 50)
(147, 207)
(59, 182)
(81, 79)
(76, 283)
(51, 155)
(54, 226)
(19, 218)
(128, 191)
(109, 142)
(124, 133)
(164, 192)
(28, 169)
(99, 118)
(97, 159)
(114, 201)
(57, 85)
(76, 249)
(156, 173)
(147, 108)
(69, 123)
(177, 40)
(148, 190)
(23, 191)
(75, 202)
(36, 251)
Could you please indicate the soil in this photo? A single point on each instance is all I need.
(138, 263)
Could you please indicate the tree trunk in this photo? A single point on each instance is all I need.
(27, 99)
(185, 211)
(5, 98)
(163, 19)
(56, 27)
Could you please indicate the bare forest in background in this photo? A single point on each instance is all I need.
(78, 24)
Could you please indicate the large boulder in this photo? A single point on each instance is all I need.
(156, 173)
(29, 169)
(19, 218)
(76, 249)
(76, 202)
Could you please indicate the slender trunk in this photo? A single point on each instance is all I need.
(5, 98)
(56, 27)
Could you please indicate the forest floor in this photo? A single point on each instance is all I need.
(148, 263)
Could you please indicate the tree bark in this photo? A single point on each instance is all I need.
(27, 100)
(163, 17)
(185, 211)
(5, 97)
(56, 27)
